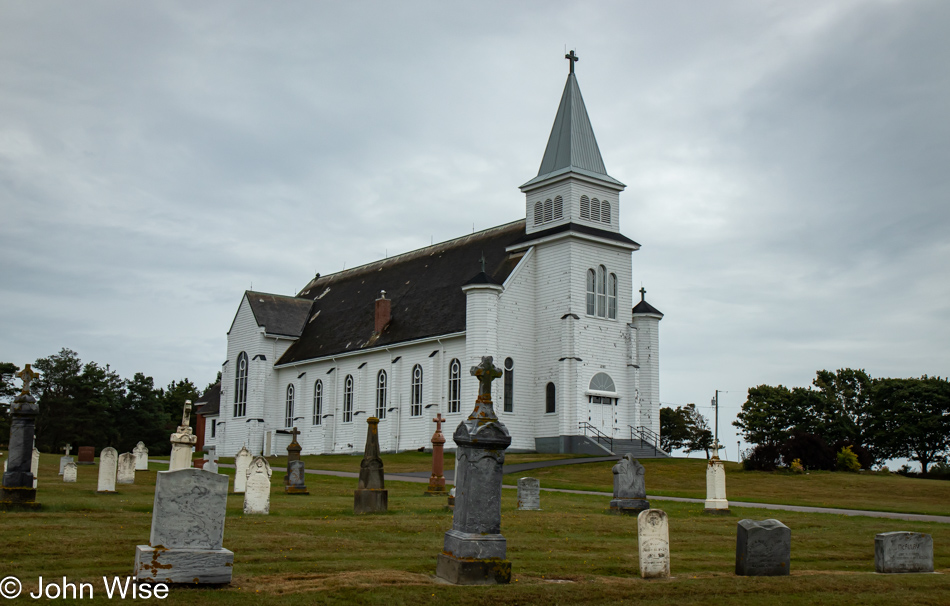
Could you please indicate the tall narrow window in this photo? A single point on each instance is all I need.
(348, 399)
(591, 292)
(381, 389)
(548, 210)
(550, 398)
(585, 207)
(455, 386)
(558, 207)
(416, 409)
(612, 296)
(289, 407)
(509, 385)
(595, 210)
(318, 403)
(240, 385)
(214, 428)
(601, 291)
(605, 212)
(538, 213)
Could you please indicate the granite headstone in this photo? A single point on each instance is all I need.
(653, 540)
(87, 455)
(371, 495)
(763, 548)
(899, 552)
(630, 492)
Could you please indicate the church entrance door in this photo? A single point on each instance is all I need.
(602, 414)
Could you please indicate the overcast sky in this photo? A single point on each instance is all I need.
(787, 164)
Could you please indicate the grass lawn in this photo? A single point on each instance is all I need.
(312, 549)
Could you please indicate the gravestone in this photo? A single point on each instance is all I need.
(141, 457)
(437, 479)
(125, 473)
(763, 548)
(212, 463)
(474, 549)
(529, 494)
(183, 440)
(630, 491)
(87, 455)
(451, 504)
(716, 502)
(242, 461)
(65, 459)
(653, 539)
(257, 487)
(371, 495)
(35, 465)
(108, 460)
(295, 480)
(69, 472)
(896, 552)
(19, 485)
(185, 545)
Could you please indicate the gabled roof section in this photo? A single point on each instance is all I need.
(279, 314)
(572, 146)
(645, 308)
(425, 287)
(578, 228)
(210, 401)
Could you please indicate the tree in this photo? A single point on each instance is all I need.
(173, 399)
(768, 415)
(700, 436)
(8, 391)
(911, 418)
(143, 416)
(844, 406)
(684, 427)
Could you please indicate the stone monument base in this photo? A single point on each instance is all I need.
(629, 506)
(717, 507)
(296, 490)
(191, 566)
(492, 571)
(438, 491)
(370, 500)
(12, 499)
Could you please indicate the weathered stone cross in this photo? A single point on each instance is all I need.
(67, 449)
(573, 58)
(438, 420)
(486, 373)
(186, 414)
(27, 375)
(295, 433)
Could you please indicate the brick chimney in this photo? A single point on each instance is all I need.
(383, 313)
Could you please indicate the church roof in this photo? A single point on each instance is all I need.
(210, 401)
(425, 287)
(279, 314)
(645, 308)
(579, 228)
(572, 146)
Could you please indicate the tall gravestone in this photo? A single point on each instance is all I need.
(69, 472)
(716, 502)
(19, 488)
(257, 487)
(630, 491)
(108, 461)
(65, 459)
(437, 479)
(87, 455)
(141, 457)
(295, 480)
(901, 552)
(371, 495)
(183, 440)
(35, 466)
(474, 549)
(763, 548)
(125, 471)
(653, 540)
(242, 460)
(529, 494)
(185, 545)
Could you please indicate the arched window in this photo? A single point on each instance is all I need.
(509, 385)
(603, 383)
(601, 291)
(240, 385)
(585, 207)
(318, 403)
(550, 398)
(548, 210)
(381, 388)
(591, 292)
(558, 207)
(595, 210)
(348, 399)
(612, 296)
(455, 386)
(605, 211)
(416, 409)
(538, 213)
(289, 407)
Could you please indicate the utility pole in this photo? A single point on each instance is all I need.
(715, 403)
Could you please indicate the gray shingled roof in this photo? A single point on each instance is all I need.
(279, 314)
(645, 308)
(210, 401)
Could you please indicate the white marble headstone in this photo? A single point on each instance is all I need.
(529, 494)
(141, 457)
(108, 460)
(69, 472)
(189, 510)
(653, 538)
(35, 465)
(242, 460)
(716, 486)
(257, 487)
(126, 469)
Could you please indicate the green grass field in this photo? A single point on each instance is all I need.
(312, 549)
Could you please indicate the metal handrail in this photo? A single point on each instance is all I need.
(598, 434)
(645, 434)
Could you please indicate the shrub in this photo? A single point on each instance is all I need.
(764, 457)
(811, 451)
(847, 460)
(796, 466)
(864, 455)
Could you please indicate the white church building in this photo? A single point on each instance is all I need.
(550, 297)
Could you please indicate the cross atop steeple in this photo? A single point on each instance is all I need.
(573, 58)
(643, 294)
(482, 260)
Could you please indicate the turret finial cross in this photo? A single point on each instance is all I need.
(573, 58)
(27, 375)
(643, 294)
